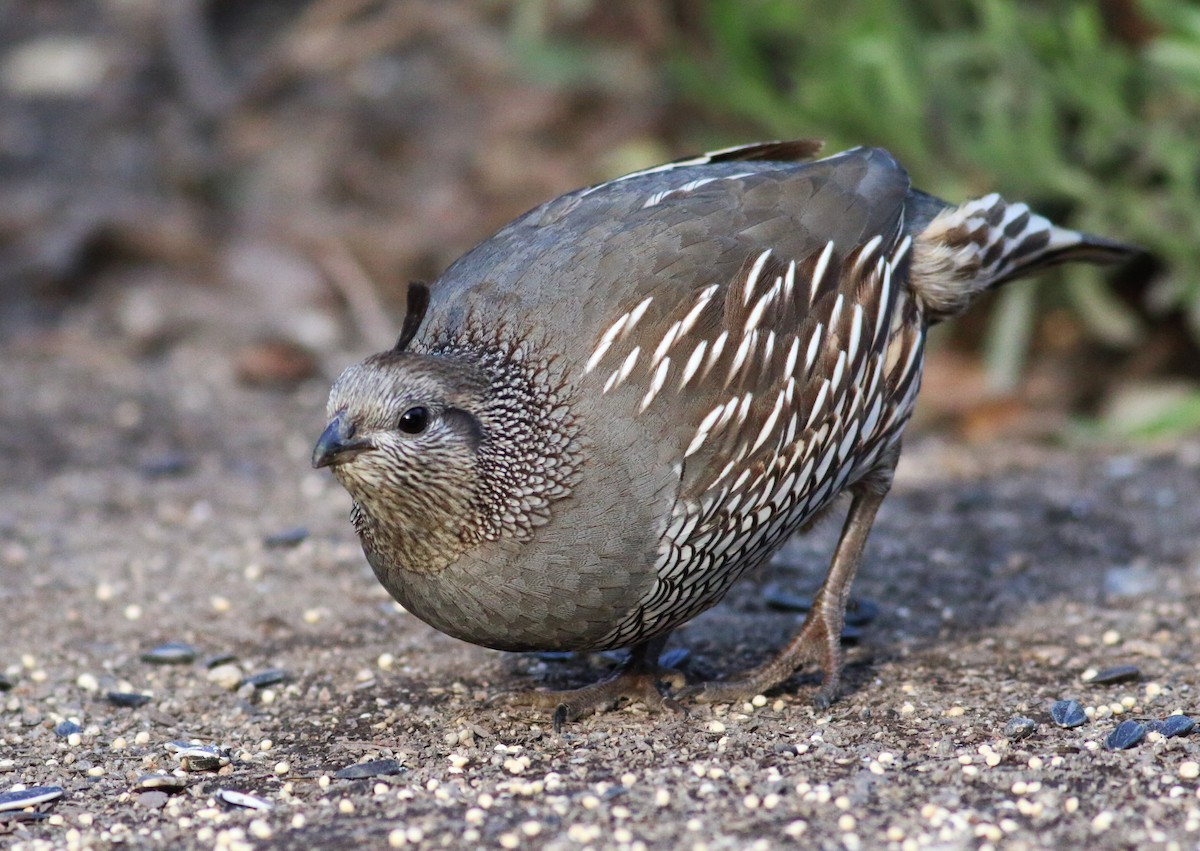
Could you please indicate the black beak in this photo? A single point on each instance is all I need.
(337, 443)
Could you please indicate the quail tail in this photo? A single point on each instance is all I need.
(967, 249)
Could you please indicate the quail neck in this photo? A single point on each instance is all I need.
(598, 419)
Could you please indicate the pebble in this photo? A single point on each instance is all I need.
(1172, 725)
(374, 768)
(1127, 735)
(287, 538)
(241, 799)
(127, 699)
(153, 799)
(67, 728)
(5, 683)
(218, 659)
(269, 677)
(1117, 674)
(31, 797)
(1068, 714)
(228, 677)
(171, 653)
(1019, 727)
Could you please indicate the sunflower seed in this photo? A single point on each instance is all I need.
(31, 797)
(1127, 735)
(1068, 714)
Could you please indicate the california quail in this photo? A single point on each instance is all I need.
(601, 417)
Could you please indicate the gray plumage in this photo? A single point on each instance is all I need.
(637, 391)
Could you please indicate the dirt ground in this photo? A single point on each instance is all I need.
(151, 498)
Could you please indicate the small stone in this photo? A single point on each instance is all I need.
(374, 768)
(1019, 727)
(152, 799)
(1127, 735)
(5, 683)
(269, 677)
(1118, 674)
(1172, 725)
(1189, 770)
(1068, 714)
(241, 799)
(31, 797)
(128, 699)
(228, 677)
(287, 538)
(67, 728)
(171, 653)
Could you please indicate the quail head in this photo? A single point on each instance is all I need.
(599, 418)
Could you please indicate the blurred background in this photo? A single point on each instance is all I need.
(266, 175)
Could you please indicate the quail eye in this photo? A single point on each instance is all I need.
(414, 420)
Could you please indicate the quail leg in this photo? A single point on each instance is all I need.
(635, 679)
(819, 639)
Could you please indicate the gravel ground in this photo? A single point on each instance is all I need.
(149, 498)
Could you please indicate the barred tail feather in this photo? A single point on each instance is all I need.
(984, 243)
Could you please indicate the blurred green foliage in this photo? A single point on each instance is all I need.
(1094, 123)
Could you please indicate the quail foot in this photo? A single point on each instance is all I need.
(598, 419)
